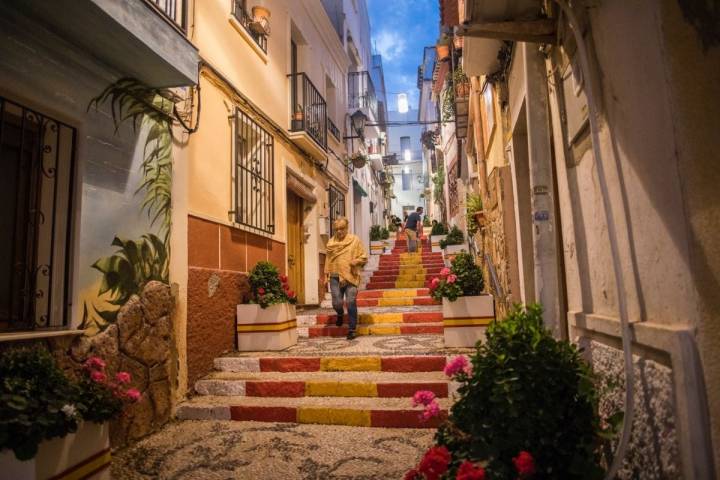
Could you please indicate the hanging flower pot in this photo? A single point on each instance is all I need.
(443, 48)
(358, 160)
(479, 218)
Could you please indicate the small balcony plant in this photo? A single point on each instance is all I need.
(475, 217)
(466, 310)
(443, 48)
(267, 321)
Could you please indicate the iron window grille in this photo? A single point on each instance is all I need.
(36, 172)
(244, 18)
(173, 10)
(337, 206)
(334, 131)
(254, 175)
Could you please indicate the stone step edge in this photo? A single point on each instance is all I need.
(372, 330)
(360, 363)
(318, 388)
(384, 418)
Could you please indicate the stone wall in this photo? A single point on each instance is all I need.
(654, 449)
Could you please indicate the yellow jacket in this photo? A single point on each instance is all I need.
(339, 255)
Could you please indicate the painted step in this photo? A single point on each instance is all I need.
(373, 318)
(379, 329)
(358, 363)
(396, 302)
(351, 411)
(410, 284)
(323, 384)
(393, 293)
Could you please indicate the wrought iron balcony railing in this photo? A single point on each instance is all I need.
(309, 109)
(361, 92)
(244, 18)
(173, 10)
(334, 131)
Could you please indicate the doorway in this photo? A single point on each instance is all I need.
(296, 245)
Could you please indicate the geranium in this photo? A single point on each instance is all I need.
(434, 282)
(98, 376)
(457, 365)
(444, 272)
(524, 464)
(261, 291)
(432, 410)
(283, 278)
(434, 463)
(133, 394)
(470, 471)
(95, 363)
(422, 397)
(451, 278)
(411, 475)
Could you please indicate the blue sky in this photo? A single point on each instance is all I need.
(400, 30)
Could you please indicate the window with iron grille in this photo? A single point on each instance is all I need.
(36, 172)
(241, 14)
(337, 206)
(254, 175)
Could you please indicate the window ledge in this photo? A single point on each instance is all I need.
(246, 36)
(36, 335)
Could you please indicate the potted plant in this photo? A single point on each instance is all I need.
(52, 422)
(443, 48)
(437, 234)
(377, 245)
(388, 243)
(461, 82)
(358, 159)
(453, 243)
(475, 217)
(297, 119)
(505, 422)
(429, 138)
(267, 321)
(466, 310)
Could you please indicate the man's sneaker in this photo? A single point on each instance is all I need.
(339, 321)
(351, 336)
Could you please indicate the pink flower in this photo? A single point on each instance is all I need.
(444, 272)
(95, 363)
(261, 291)
(457, 365)
(470, 471)
(98, 376)
(524, 464)
(123, 377)
(431, 410)
(452, 278)
(423, 397)
(434, 282)
(133, 394)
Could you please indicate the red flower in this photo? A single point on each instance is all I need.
(123, 377)
(97, 376)
(434, 463)
(95, 363)
(470, 471)
(291, 294)
(133, 394)
(283, 278)
(261, 291)
(524, 464)
(411, 475)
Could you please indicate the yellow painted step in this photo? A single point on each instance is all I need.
(372, 318)
(341, 389)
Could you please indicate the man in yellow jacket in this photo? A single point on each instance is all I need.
(346, 256)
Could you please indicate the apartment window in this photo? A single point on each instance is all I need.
(405, 148)
(337, 206)
(406, 180)
(36, 172)
(254, 174)
(240, 12)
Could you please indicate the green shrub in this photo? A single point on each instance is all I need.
(439, 229)
(454, 237)
(392, 227)
(268, 287)
(384, 233)
(426, 221)
(527, 392)
(473, 204)
(375, 233)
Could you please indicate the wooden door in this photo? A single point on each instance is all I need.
(295, 245)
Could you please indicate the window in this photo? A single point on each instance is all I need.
(406, 180)
(241, 14)
(337, 206)
(36, 171)
(405, 148)
(254, 175)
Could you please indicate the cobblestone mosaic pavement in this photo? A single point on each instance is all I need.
(212, 450)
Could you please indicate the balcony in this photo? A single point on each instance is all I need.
(308, 118)
(245, 19)
(361, 93)
(144, 39)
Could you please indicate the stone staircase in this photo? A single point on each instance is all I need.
(324, 379)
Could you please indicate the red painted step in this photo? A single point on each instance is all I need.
(407, 317)
(378, 294)
(333, 331)
(373, 302)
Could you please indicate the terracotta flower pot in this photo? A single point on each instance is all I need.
(260, 12)
(479, 218)
(443, 52)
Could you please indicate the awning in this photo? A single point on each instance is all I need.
(359, 189)
(300, 187)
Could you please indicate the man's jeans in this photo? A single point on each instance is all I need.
(349, 291)
(412, 239)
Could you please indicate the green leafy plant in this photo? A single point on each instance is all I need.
(439, 187)
(268, 287)
(384, 233)
(448, 104)
(439, 229)
(454, 237)
(526, 391)
(429, 138)
(464, 278)
(473, 204)
(375, 233)
(33, 393)
(102, 398)
(426, 221)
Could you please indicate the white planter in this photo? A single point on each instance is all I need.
(271, 328)
(389, 245)
(377, 247)
(83, 454)
(466, 319)
(435, 242)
